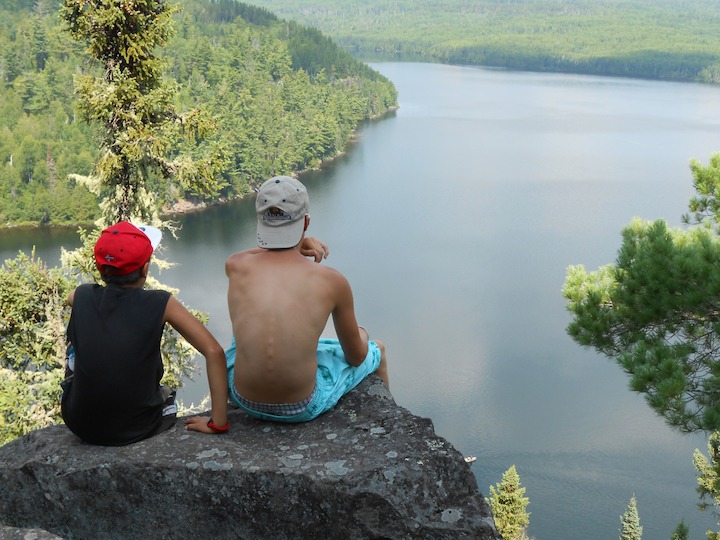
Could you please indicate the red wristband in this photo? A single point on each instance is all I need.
(218, 429)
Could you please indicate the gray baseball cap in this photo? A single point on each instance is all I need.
(281, 206)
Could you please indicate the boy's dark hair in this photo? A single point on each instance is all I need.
(108, 275)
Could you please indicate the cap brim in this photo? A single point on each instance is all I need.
(285, 236)
(154, 234)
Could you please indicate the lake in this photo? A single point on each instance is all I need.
(455, 219)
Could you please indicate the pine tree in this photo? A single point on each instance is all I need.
(682, 532)
(630, 522)
(655, 311)
(134, 106)
(708, 478)
(509, 506)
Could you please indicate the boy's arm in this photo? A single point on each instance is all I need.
(310, 247)
(200, 337)
(353, 338)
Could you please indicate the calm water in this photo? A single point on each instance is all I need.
(454, 220)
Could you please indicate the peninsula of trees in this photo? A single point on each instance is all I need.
(658, 39)
(284, 98)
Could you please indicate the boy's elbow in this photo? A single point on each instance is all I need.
(357, 358)
(215, 351)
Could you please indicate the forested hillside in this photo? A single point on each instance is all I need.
(664, 39)
(285, 97)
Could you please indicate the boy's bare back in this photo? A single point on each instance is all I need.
(279, 303)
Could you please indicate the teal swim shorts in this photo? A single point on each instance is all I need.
(334, 378)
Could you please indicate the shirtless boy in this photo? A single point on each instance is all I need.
(280, 302)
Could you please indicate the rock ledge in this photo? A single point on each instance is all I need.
(367, 469)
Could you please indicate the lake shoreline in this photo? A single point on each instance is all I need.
(185, 206)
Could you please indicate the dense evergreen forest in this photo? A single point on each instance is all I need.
(284, 98)
(663, 39)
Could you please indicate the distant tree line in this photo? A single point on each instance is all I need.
(284, 98)
(659, 39)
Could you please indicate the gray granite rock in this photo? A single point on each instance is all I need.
(367, 469)
(15, 533)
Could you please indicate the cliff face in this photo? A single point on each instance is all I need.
(368, 469)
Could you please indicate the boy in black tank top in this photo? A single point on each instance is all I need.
(112, 395)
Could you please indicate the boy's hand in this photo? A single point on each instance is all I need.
(312, 247)
(198, 423)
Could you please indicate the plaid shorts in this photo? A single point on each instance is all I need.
(278, 409)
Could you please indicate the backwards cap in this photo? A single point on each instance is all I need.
(126, 247)
(281, 206)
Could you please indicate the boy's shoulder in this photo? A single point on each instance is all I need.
(85, 289)
(87, 286)
(241, 257)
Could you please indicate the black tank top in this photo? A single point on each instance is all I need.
(114, 396)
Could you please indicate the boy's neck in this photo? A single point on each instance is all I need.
(139, 284)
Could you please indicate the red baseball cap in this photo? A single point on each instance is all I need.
(126, 247)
